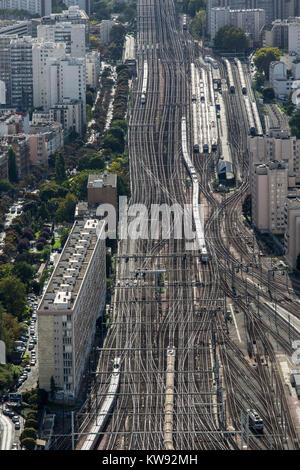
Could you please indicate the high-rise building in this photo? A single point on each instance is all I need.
(42, 52)
(34, 7)
(92, 60)
(73, 15)
(73, 301)
(83, 4)
(5, 65)
(21, 72)
(73, 35)
(269, 188)
(275, 9)
(292, 235)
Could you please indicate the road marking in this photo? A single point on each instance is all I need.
(234, 319)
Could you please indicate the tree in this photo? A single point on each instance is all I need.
(197, 25)
(28, 443)
(264, 57)
(60, 169)
(31, 423)
(12, 166)
(24, 271)
(28, 432)
(117, 34)
(231, 38)
(66, 209)
(268, 94)
(64, 236)
(294, 123)
(259, 80)
(13, 296)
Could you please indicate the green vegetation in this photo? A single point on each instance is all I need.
(264, 57)
(268, 94)
(231, 38)
(60, 169)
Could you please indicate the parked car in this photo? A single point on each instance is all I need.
(28, 368)
(31, 347)
(17, 426)
(14, 446)
(32, 362)
(8, 413)
(32, 332)
(15, 419)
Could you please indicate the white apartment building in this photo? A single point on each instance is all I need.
(105, 29)
(73, 35)
(69, 114)
(262, 149)
(68, 81)
(92, 62)
(2, 92)
(21, 72)
(252, 21)
(42, 52)
(294, 37)
(269, 186)
(73, 301)
(292, 235)
(73, 15)
(279, 80)
(35, 7)
(83, 4)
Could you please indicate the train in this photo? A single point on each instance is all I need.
(211, 61)
(241, 75)
(145, 83)
(104, 413)
(231, 85)
(251, 122)
(184, 23)
(196, 215)
(258, 126)
(255, 421)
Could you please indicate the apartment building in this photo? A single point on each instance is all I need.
(21, 72)
(251, 21)
(274, 9)
(5, 65)
(92, 63)
(13, 123)
(277, 34)
(18, 28)
(102, 189)
(73, 301)
(44, 94)
(20, 145)
(262, 149)
(34, 7)
(72, 35)
(83, 4)
(269, 187)
(105, 29)
(73, 15)
(45, 139)
(292, 235)
(70, 114)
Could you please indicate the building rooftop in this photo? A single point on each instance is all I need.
(102, 180)
(66, 280)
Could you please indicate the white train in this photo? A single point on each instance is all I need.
(258, 126)
(145, 83)
(251, 122)
(230, 80)
(196, 215)
(194, 97)
(241, 75)
(104, 413)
